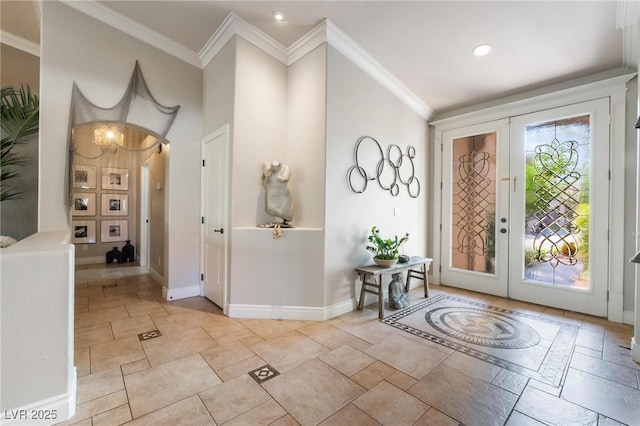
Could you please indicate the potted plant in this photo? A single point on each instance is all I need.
(385, 251)
(20, 113)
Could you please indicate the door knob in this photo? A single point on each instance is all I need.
(503, 230)
(221, 230)
(503, 219)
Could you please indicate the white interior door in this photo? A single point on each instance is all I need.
(560, 207)
(143, 252)
(475, 207)
(215, 231)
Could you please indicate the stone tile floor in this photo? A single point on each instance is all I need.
(144, 361)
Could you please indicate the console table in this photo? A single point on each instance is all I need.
(371, 277)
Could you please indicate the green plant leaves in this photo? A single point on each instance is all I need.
(384, 248)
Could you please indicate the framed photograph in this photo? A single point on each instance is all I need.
(83, 204)
(115, 178)
(83, 176)
(83, 231)
(114, 230)
(115, 205)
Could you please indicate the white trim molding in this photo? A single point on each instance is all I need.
(350, 49)
(302, 313)
(181, 292)
(20, 43)
(128, 26)
(62, 406)
(628, 317)
(234, 25)
(325, 32)
(307, 43)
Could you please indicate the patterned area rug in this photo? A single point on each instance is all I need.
(536, 347)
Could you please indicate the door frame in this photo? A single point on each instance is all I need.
(614, 87)
(224, 132)
(143, 252)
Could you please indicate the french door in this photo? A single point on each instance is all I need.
(525, 207)
(475, 184)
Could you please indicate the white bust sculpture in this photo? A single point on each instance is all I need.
(275, 176)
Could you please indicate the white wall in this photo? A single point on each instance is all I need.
(100, 60)
(37, 277)
(259, 129)
(219, 78)
(359, 106)
(306, 106)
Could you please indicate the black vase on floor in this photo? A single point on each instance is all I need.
(114, 256)
(128, 252)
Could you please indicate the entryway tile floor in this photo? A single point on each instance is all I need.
(143, 361)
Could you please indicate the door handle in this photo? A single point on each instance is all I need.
(221, 230)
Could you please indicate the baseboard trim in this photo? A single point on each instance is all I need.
(181, 293)
(156, 276)
(635, 350)
(304, 313)
(62, 406)
(628, 317)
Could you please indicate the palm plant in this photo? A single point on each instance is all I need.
(19, 118)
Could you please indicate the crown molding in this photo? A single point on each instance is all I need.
(234, 25)
(134, 29)
(368, 64)
(20, 43)
(307, 43)
(323, 32)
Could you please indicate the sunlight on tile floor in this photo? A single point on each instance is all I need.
(143, 361)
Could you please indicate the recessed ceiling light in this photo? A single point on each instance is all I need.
(482, 50)
(279, 16)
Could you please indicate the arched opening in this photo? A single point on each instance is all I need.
(110, 210)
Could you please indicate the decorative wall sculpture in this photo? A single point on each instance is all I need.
(390, 171)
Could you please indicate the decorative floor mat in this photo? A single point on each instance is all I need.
(263, 373)
(536, 347)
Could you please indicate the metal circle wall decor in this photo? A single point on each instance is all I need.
(394, 161)
(482, 327)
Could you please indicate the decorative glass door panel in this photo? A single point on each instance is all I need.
(559, 207)
(475, 207)
(557, 202)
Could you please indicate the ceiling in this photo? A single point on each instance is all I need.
(424, 44)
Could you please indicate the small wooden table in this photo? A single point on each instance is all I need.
(416, 267)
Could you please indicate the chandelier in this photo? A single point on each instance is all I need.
(108, 138)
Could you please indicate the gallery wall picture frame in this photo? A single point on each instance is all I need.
(113, 178)
(114, 230)
(84, 176)
(115, 205)
(83, 204)
(83, 231)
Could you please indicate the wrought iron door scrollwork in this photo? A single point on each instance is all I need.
(401, 167)
(557, 196)
(475, 198)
